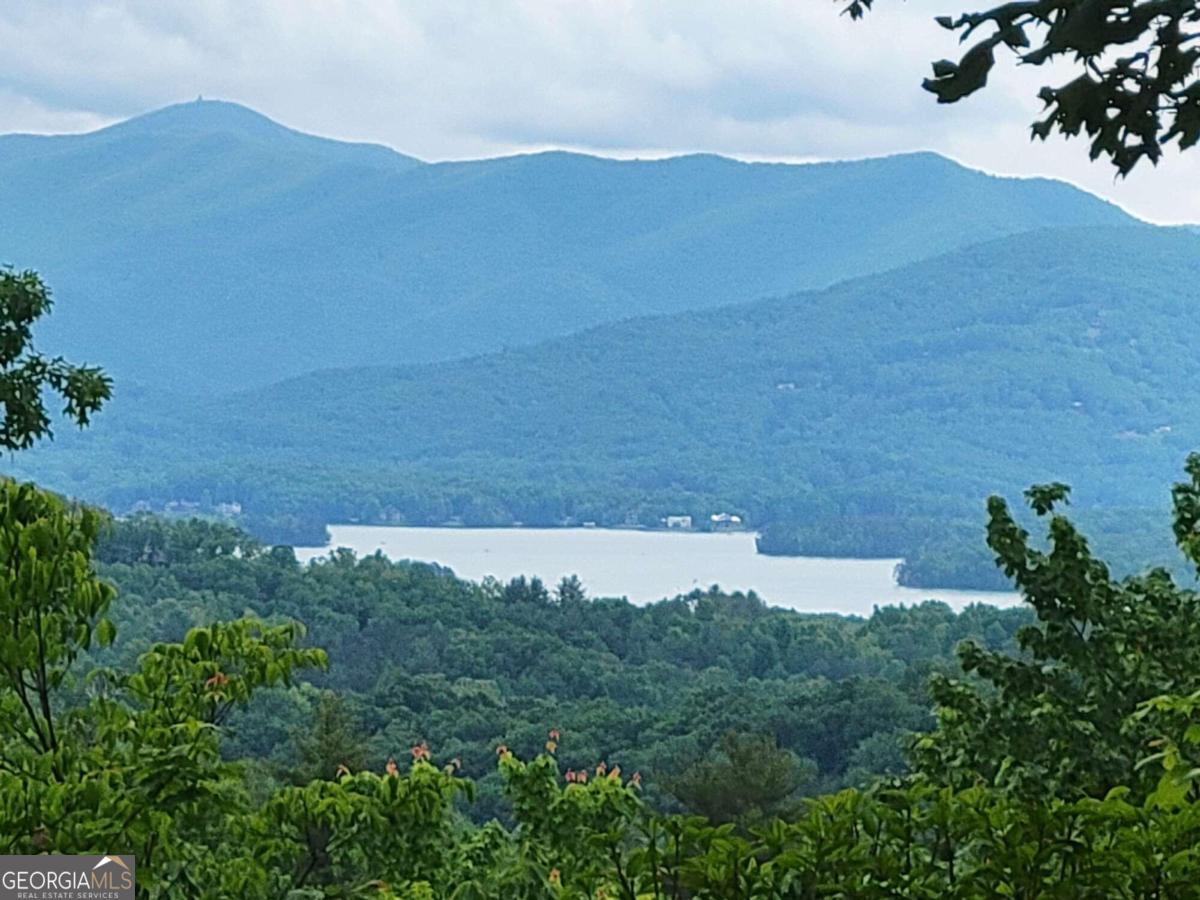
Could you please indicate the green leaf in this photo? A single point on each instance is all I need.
(106, 632)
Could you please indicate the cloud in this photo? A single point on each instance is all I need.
(23, 114)
(761, 78)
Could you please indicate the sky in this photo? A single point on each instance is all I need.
(453, 79)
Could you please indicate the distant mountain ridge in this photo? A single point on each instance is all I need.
(204, 247)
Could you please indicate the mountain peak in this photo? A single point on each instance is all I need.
(201, 118)
(207, 117)
(202, 115)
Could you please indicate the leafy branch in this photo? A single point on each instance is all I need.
(1136, 89)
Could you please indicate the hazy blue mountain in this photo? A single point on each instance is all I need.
(204, 246)
(909, 395)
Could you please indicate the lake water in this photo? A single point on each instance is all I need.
(649, 565)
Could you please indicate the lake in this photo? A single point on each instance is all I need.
(649, 565)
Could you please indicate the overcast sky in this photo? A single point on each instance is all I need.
(444, 79)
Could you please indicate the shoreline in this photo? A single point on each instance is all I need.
(642, 570)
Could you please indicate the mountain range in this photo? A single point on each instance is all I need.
(204, 247)
(852, 355)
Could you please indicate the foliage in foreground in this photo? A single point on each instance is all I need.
(26, 376)
(1135, 88)
(1069, 771)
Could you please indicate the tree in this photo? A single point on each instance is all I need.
(331, 744)
(1061, 718)
(26, 375)
(1136, 87)
(570, 590)
(133, 761)
(52, 605)
(748, 778)
(525, 590)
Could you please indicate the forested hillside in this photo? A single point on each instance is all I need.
(205, 246)
(870, 418)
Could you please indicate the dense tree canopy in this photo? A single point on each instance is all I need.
(1135, 89)
(1067, 770)
(420, 655)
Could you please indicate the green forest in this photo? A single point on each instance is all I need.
(362, 728)
(418, 655)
